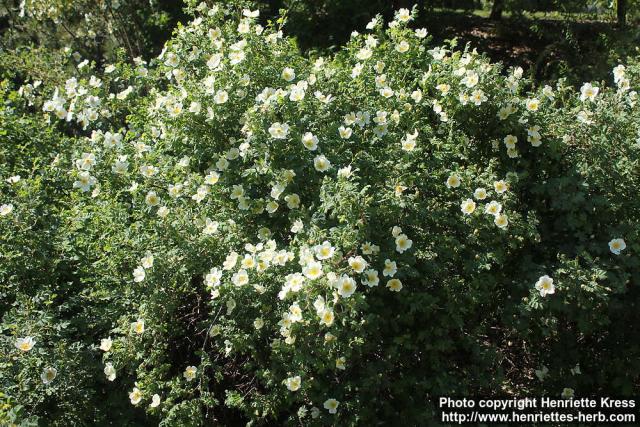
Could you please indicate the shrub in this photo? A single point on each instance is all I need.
(93, 28)
(250, 235)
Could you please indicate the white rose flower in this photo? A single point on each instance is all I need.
(6, 209)
(403, 243)
(346, 286)
(468, 207)
(545, 286)
(190, 373)
(48, 375)
(105, 344)
(293, 383)
(155, 401)
(24, 344)
(321, 163)
(279, 130)
(617, 245)
(288, 74)
(139, 274)
(330, 405)
(135, 396)
(110, 371)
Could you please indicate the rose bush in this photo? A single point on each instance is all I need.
(238, 233)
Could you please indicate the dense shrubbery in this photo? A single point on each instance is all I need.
(91, 27)
(236, 232)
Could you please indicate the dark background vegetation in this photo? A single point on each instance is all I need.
(577, 39)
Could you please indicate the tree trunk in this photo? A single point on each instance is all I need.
(621, 11)
(496, 9)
